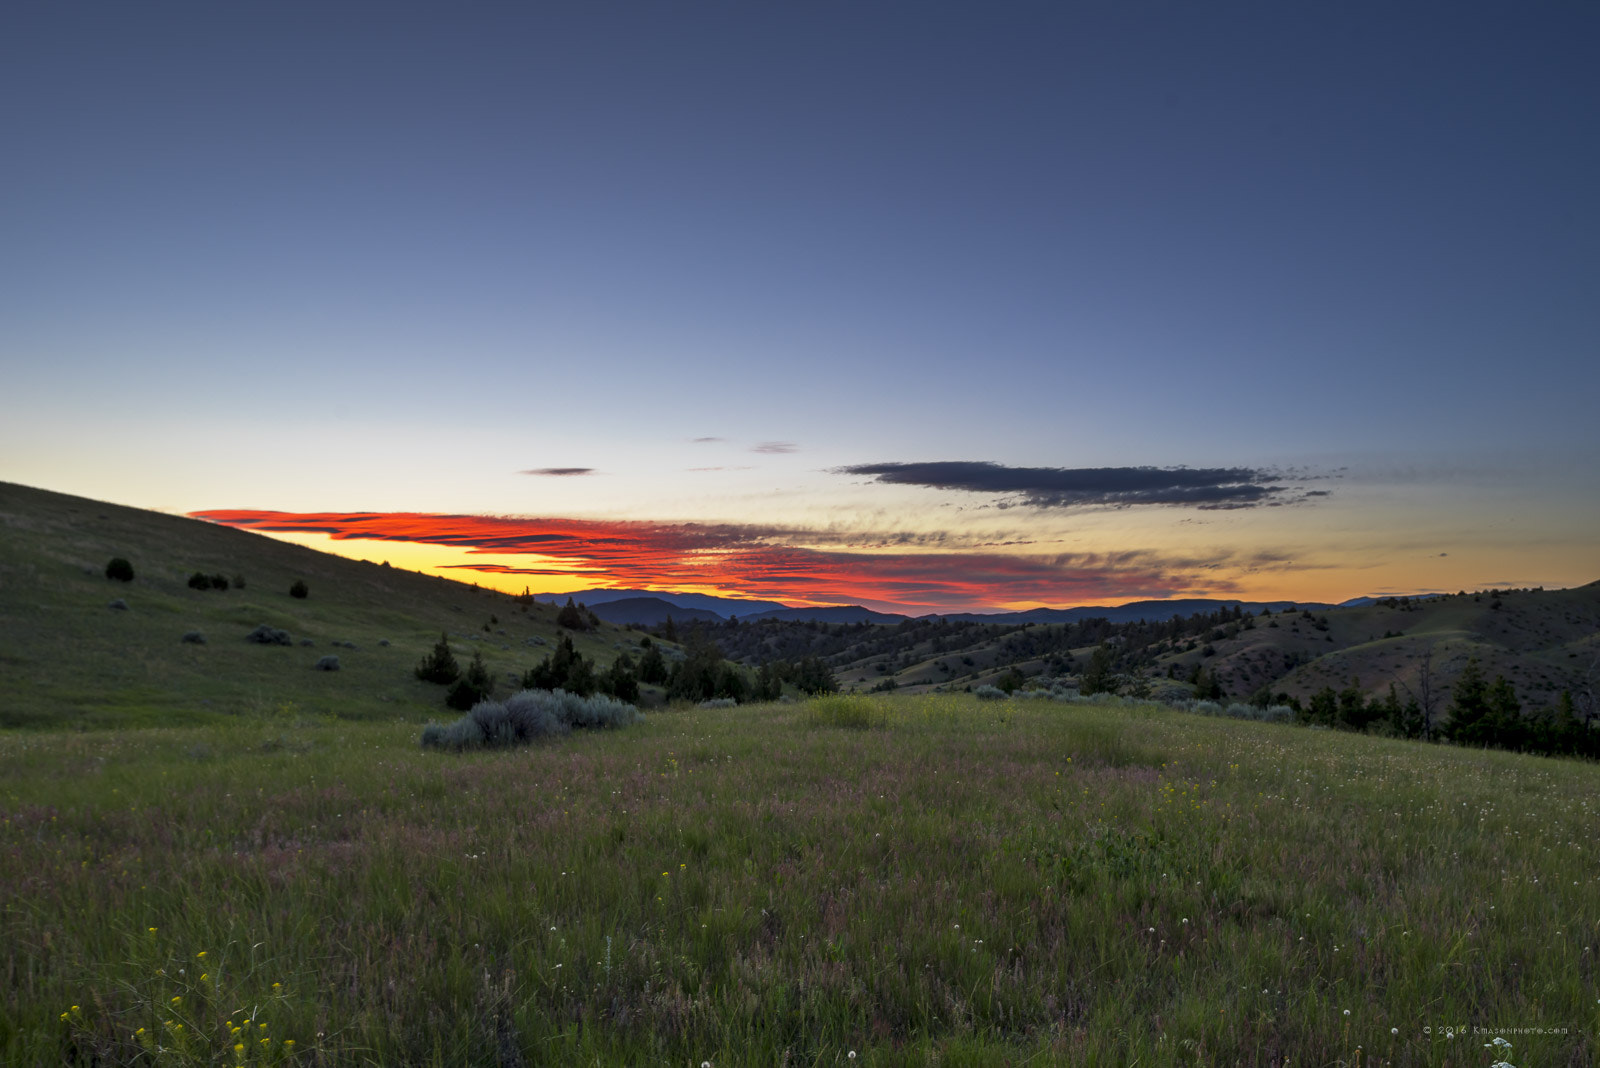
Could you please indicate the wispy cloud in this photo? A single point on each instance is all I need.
(1064, 487)
(774, 447)
(559, 472)
(773, 562)
(705, 441)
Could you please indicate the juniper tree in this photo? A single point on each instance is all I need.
(440, 665)
(472, 687)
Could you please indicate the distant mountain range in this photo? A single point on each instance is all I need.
(649, 608)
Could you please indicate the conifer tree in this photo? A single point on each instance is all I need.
(440, 665)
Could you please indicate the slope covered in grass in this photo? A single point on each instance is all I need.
(68, 659)
(985, 882)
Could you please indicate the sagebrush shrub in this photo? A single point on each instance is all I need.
(267, 635)
(199, 581)
(328, 663)
(299, 591)
(526, 716)
(119, 569)
(193, 637)
(990, 693)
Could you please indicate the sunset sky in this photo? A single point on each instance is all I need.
(916, 305)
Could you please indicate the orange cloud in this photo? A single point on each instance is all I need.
(764, 562)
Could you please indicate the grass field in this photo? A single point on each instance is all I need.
(911, 880)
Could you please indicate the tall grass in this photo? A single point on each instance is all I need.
(978, 883)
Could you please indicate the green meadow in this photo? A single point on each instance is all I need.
(870, 881)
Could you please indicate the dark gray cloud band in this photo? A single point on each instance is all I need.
(559, 472)
(1066, 487)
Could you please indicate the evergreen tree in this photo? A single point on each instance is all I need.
(1324, 710)
(581, 677)
(572, 616)
(439, 666)
(1470, 720)
(1509, 727)
(1097, 675)
(472, 687)
(732, 683)
(653, 666)
(621, 682)
(769, 683)
(813, 675)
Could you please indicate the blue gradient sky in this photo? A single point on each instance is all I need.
(315, 257)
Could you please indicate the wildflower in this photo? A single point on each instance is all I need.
(1347, 1012)
(200, 955)
(177, 998)
(1394, 1030)
(288, 1042)
(239, 1048)
(204, 976)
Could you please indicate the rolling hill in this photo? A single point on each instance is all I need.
(68, 658)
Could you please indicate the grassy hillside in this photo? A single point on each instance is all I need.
(67, 659)
(960, 882)
(1543, 641)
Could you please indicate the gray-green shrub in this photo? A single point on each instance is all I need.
(267, 635)
(328, 663)
(990, 693)
(527, 716)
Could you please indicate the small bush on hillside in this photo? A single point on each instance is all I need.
(265, 635)
(990, 693)
(718, 702)
(238, 582)
(198, 581)
(193, 637)
(528, 716)
(119, 604)
(328, 663)
(299, 590)
(119, 569)
(219, 582)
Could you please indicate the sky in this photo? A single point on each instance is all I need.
(923, 306)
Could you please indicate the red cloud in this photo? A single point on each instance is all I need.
(754, 561)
